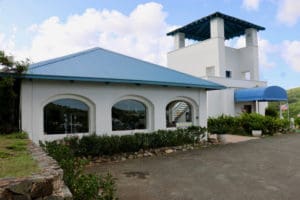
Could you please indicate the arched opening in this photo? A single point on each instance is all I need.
(129, 114)
(66, 115)
(178, 113)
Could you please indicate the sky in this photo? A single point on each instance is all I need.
(44, 29)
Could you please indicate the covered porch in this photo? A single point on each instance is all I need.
(260, 94)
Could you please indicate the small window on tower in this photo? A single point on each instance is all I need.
(247, 75)
(228, 74)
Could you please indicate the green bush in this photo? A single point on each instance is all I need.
(128, 143)
(82, 186)
(297, 121)
(94, 145)
(221, 125)
(237, 128)
(271, 111)
(245, 123)
(252, 121)
(283, 125)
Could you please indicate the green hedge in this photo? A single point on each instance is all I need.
(81, 185)
(99, 145)
(221, 125)
(245, 123)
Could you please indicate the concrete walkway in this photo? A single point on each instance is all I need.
(268, 168)
(235, 138)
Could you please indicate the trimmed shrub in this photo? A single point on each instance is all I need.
(252, 121)
(94, 145)
(82, 186)
(237, 128)
(283, 125)
(271, 111)
(128, 143)
(245, 123)
(269, 125)
(221, 125)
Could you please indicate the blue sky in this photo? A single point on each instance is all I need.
(45, 29)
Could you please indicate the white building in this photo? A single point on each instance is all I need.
(209, 58)
(102, 92)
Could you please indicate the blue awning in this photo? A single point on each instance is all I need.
(271, 93)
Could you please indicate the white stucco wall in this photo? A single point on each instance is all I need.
(194, 59)
(220, 102)
(242, 60)
(100, 97)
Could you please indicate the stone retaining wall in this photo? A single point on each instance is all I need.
(45, 185)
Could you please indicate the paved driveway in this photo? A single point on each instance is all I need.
(259, 169)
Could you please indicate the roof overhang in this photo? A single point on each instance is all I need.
(200, 29)
(271, 93)
(213, 86)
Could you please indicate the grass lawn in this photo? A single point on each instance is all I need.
(15, 160)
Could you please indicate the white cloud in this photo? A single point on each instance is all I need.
(140, 34)
(7, 43)
(251, 4)
(288, 11)
(291, 54)
(265, 50)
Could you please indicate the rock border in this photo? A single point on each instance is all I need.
(45, 185)
(152, 152)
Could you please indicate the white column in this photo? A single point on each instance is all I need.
(217, 36)
(26, 107)
(251, 37)
(256, 107)
(252, 45)
(159, 115)
(179, 40)
(217, 27)
(202, 118)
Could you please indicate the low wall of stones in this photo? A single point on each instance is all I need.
(45, 185)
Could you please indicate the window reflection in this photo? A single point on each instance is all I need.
(128, 115)
(66, 116)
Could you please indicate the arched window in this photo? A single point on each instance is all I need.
(178, 113)
(66, 116)
(128, 115)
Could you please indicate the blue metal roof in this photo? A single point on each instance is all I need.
(100, 65)
(200, 29)
(271, 93)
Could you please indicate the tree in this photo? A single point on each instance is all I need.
(10, 86)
